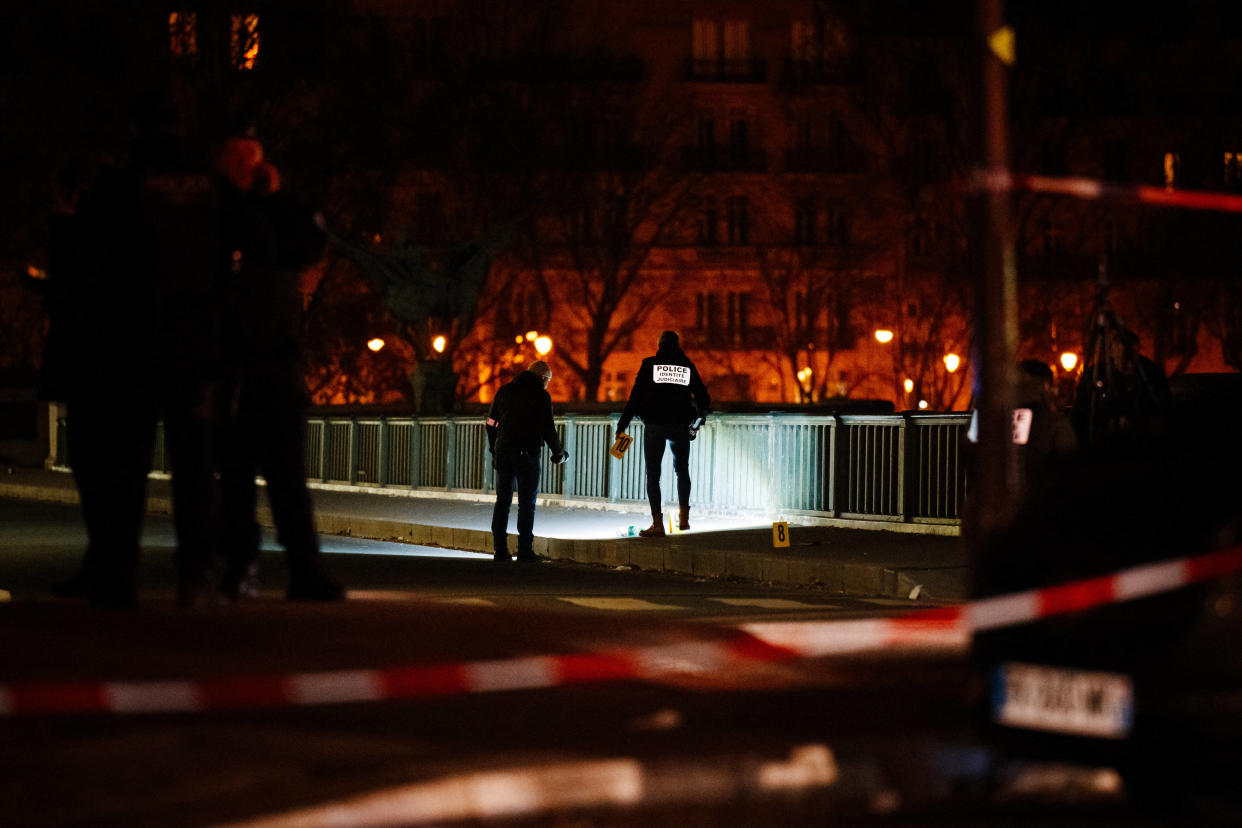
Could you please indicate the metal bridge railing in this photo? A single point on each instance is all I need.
(898, 467)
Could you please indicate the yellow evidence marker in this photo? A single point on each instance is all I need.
(621, 445)
(780, 533)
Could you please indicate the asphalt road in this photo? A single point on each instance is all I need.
(885, 738)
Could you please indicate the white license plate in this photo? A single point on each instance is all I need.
(1078, 702)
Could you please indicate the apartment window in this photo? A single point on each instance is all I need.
(736, 41)
(722, 318)
(705, 139)
(428, 36)
(717, 48)
(922, 238)
(739, 220)
(803, 42)
(846, 336)
(804, 222)
(708, 220)
(183, 35)
(836, 227)
(739, 138)
(815, 41)
(706, 45)
(244, 41)
(1233, 170)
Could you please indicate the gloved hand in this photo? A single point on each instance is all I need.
(561, 458)
(694, 430)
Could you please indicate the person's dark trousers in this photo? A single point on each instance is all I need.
(267, 434)
(189, 422)
(677, 437)
(111, 438)
(522, 469)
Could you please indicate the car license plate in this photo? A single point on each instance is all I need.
(1078, 702)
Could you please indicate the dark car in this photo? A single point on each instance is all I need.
(1151, 686)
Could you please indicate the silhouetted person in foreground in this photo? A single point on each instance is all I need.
(140, 300)
(269, 238)
(670, 398)
(518, 424)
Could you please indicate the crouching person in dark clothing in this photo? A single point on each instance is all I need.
(519, 423)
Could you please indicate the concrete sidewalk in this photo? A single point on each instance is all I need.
(837, 559)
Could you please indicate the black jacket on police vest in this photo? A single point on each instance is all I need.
(667, 391)
(521, 418)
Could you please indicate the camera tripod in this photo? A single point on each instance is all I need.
(1106, 399)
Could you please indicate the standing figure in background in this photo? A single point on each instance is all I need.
(670, 398)
(269, 238)
(1048, 436)
(518, 424)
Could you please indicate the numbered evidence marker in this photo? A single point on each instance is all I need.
(621, 445)
(780, 533)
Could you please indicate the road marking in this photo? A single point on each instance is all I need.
(772, 603)
(619, 604)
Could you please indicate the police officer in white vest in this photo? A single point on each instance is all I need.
(670, 398)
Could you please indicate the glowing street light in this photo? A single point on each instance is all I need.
(438, 343)
(375, 344)
(951, 362)
(804, 374)
(883, 336)
(908, 385)
(922, 404)
(531, 336)
(1069, 359)
(543, 344)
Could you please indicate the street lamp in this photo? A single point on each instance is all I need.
(908, 385)
(1069, 359)
(375, 344)
(951, 362)
(543, 344)
(883, 336)
(438, 344)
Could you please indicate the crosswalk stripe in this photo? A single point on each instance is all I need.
(771, 603)
(619, 604)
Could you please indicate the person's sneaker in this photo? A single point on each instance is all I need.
(239, 585)
(527, 557)
(314, 586)
(655, 530)
(501, 557)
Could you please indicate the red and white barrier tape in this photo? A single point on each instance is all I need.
(1001, 181)
(763, 642)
